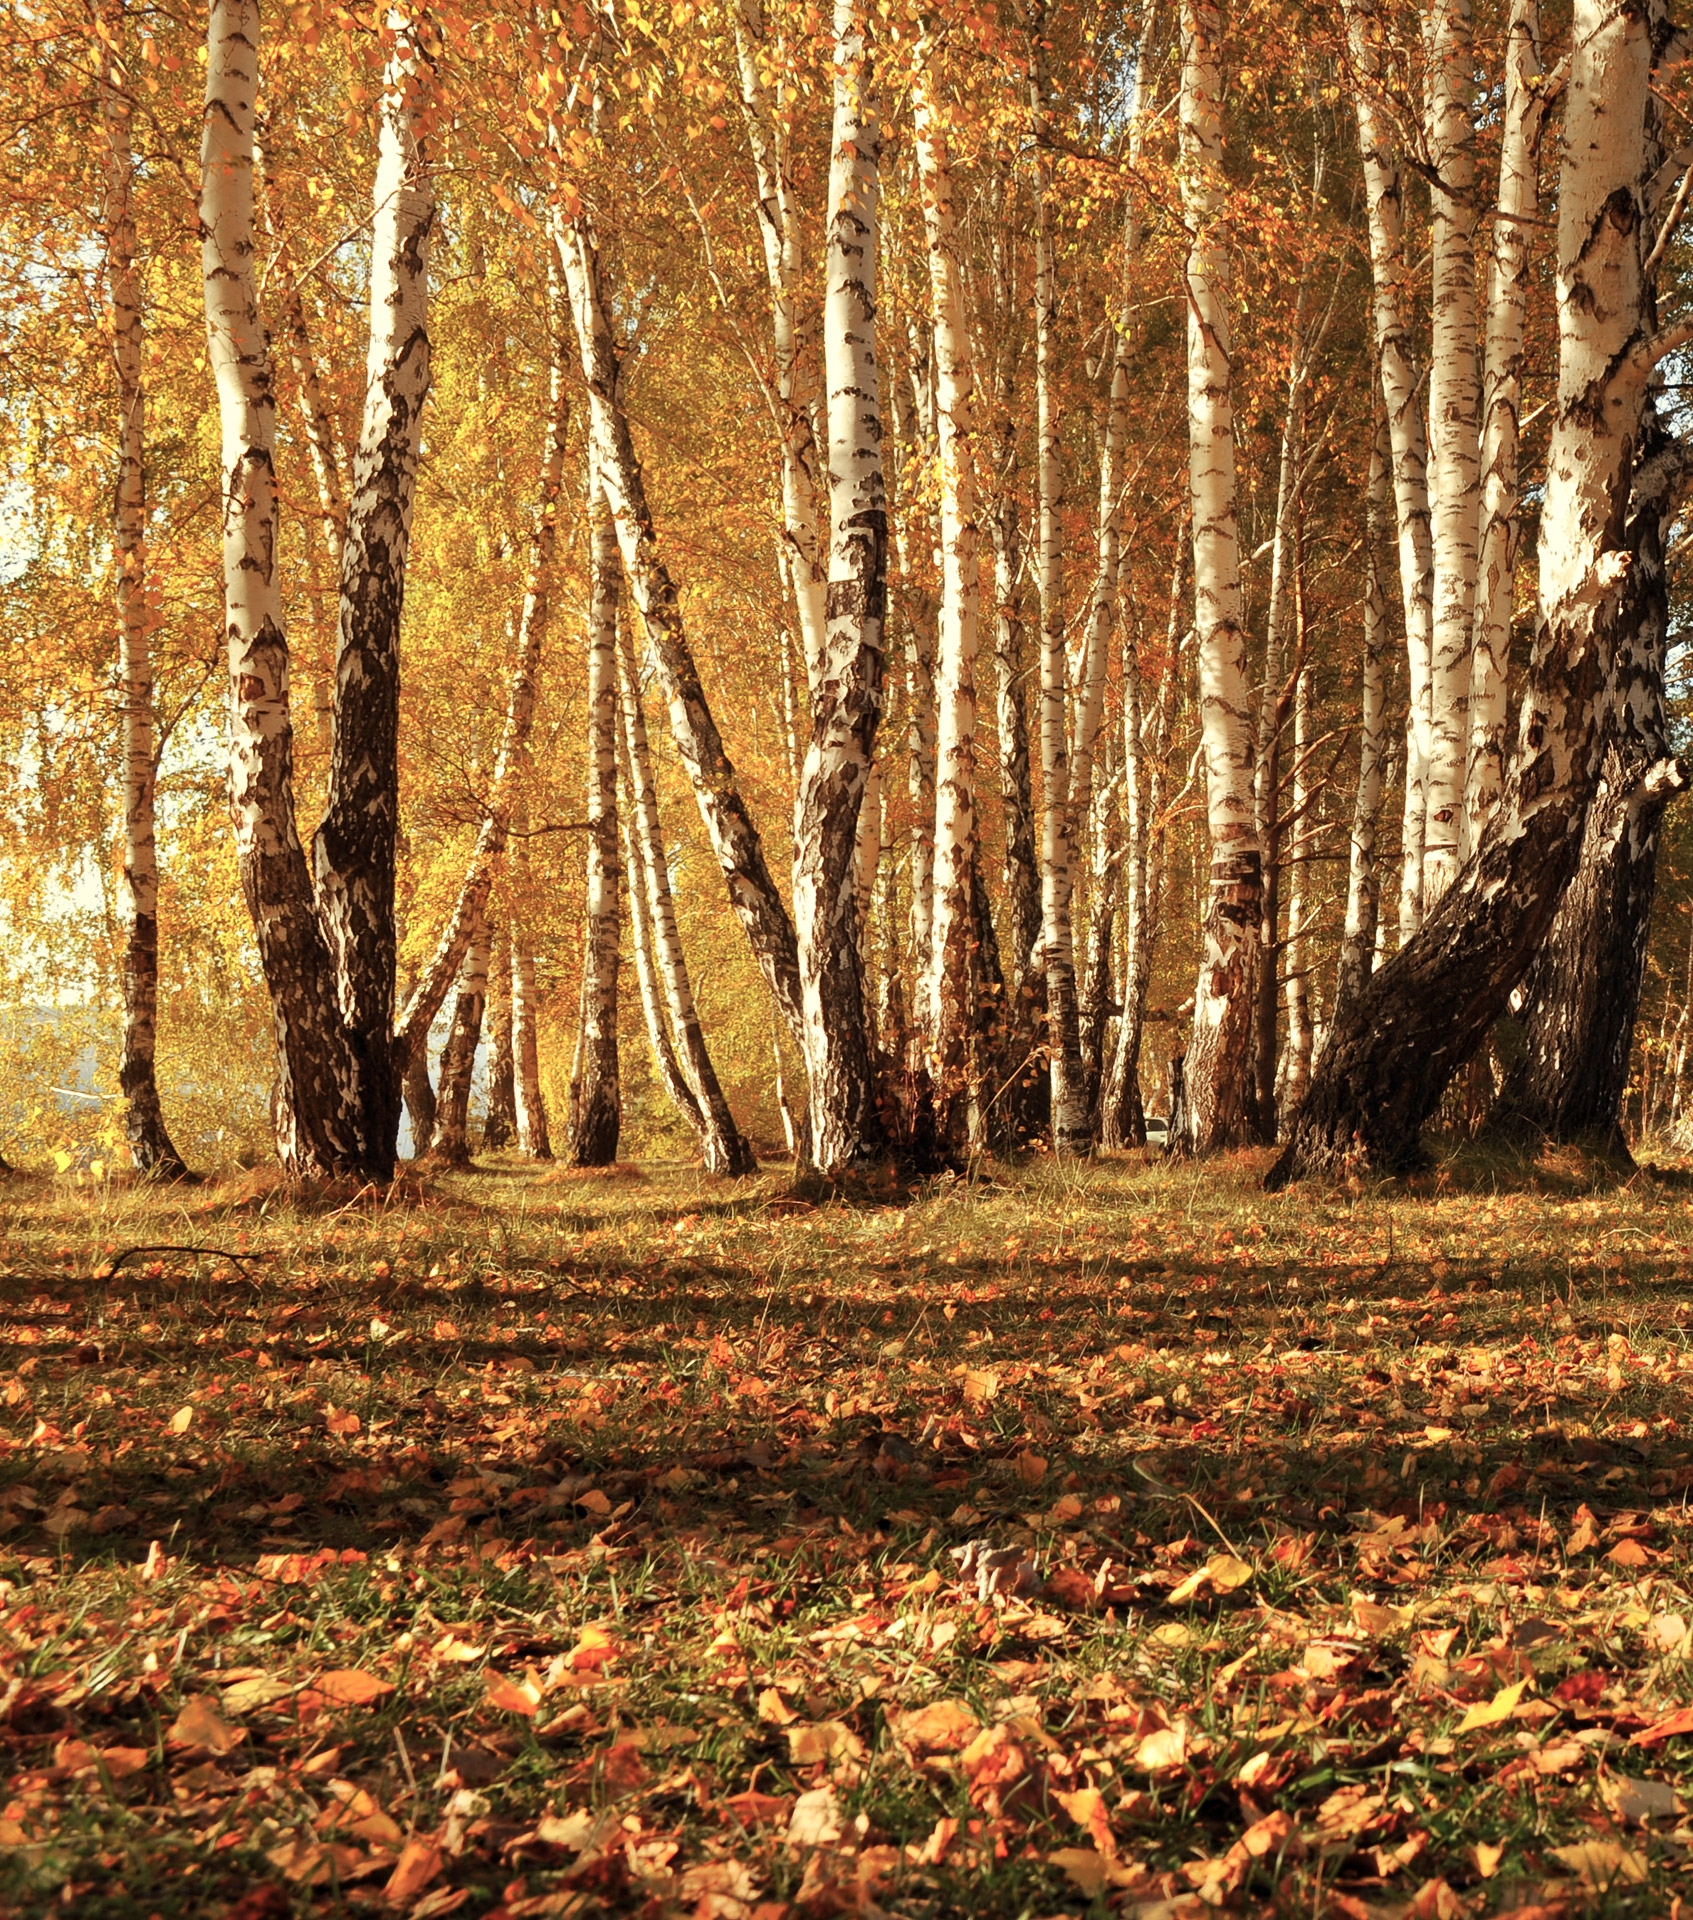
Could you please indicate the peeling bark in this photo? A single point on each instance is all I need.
(532, 1134)
(449, 1144)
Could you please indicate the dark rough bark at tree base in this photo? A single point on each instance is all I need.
(418, 1092)
(450, 1144)
(1583, 991)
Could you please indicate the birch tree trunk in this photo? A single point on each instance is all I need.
(844, 1123)
(949, 1000)
(449, 1145)
(1296, 1066)
(1122, 1113)
(1454, 405)
(150, 1144)
(354, 848)
(1400, 384)
(533, 1138)
(1070, 1130)
(499, 1122)
(734, 837)
(1425, 1013)
(1363, 889)
(511, 764)
(598, 1100)
(765, 111)
(320, 1105)
(724, 1147)
(1501, 522)
(1217, 1073)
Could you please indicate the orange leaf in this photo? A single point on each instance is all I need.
(199, 1724)
(351, 1687)
(509, 1696)
(418, 1864)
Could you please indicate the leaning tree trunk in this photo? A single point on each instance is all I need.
(722, 1144)
(948, 1000)
(449, 1145)
(734, 837)
(1501, 521)
(1402, 392)
(1217, 1072)
(845, 1124)
(149, 1140)
(1454, 410)
(1425, 1013)
(1058, 958)
(1363, 890)
(598, 1101)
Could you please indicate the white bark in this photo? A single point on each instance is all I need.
(450, 1142)
(1507, 307)
(532, 1134)
(948, 1013)
(765, 110)
(1296, 1065)
(1400, 383)
(1218, 1074)
(1454, 406)
(837, 764)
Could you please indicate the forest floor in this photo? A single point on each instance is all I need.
(1101, 1539)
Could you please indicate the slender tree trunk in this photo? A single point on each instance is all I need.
(1423, 1015)
(532, 1134)
(646, 976)
(499, 1123)
(449, 1144)
(512, 762)
(734, 837)
(1217, 1075)
(418, 1092)
(724, 1148)
(916, 428)
(149, 1140)
(1296, 1066)
(1105, 876)
(845, 1126)
(599, 1101)
(1070, 1132)
(1363, 891)
(1401, 388)
(1122, 1113)
(1454, 405)
(949, 997)
(1514, 221)
(764, 107)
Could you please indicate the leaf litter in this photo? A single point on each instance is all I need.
(1114, 1541)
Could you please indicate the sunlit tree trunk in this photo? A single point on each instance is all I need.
(1296, 1064)
(598, 1097)
(533, 1138)
(1218, 1068)
(1514, 221)
(722, 1144)
(734, 836)
(765, 109)
(1363, 888)
(844, 1123)
(499, 1122)
(1401, 392)
(1425, 1013)
(449, 1145)
(1454, 407)
(1122, 1115)
(949, 1001)
(424, 1001)
(138, 900)
(912, 524)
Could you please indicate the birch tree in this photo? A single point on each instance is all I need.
(950, 1015)
(449, 1143)
(598, 1099)
(326, 949)
(533, 1135)
(845, 1126)
(1218, 1068)
(1454, 406)
(1295, 1074)
(1425, 1013)
(149, 1139)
